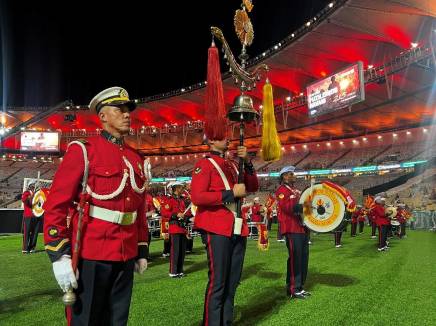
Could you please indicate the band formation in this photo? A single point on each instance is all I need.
(99, 218)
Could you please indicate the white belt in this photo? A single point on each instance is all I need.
(108, 215)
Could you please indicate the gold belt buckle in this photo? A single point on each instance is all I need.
(127, 219)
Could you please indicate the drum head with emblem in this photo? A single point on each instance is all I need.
(323, 208)
(38, 202)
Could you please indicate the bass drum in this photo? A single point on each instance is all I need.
(323, 209)
(38, 202)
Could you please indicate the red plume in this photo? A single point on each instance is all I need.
(215, 110)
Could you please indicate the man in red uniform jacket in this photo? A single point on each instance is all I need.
(382, 222)
(214, 189)
(164, 225)
(175, 212)
(30, 222)
(296, 235)
(114, 232)
(256, 214)
(355, 219)
(402, 219)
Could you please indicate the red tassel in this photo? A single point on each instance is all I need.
(215, 110)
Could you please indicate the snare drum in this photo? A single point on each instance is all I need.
(154, 226)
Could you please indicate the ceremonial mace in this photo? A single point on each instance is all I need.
(242, 110)
(69, 298)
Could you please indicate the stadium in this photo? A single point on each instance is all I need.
(354, 102)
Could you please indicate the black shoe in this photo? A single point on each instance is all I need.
(298, 295)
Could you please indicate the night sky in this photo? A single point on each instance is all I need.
(57, 50)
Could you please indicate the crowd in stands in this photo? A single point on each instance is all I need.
(12, 173)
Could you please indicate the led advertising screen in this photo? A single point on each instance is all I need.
(39, 141)
(337, 91)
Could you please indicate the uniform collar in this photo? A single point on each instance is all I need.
(217, 154)
(112, 139)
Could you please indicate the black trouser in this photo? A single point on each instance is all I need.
(225, 256)
(30, 232)
(338, 236)
(167, 246)
(361, 225)
(104, 293)
(382, 235)
(373, 228)
(279, 234)
(402, 230)
(253, 230)
(177, 255)
(298, 261)
(353, 229)
(389, 228)
(148, 244)
(268, 224)
(189, 244)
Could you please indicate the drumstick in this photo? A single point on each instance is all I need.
(187, 208)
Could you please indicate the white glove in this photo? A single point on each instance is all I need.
(140, 265)
(63, 271)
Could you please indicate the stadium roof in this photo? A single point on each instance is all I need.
(393, 39)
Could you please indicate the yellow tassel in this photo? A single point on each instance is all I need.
(271, 146)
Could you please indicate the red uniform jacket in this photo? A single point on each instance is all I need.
(26, 198)
(378, 212)
(287, 198)
(401, 215)
(358, 216)
(149, 206)
(361, 216)
(244, 211)
(173, 206)
(101, 240)
(209, 194)
(164, 220)
(255, 213)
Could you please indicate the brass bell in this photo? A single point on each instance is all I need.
(69, 298)
(242, 109)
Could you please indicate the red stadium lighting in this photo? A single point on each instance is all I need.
(379, 137)
(341, 143)
(328, 144)
(365, 139)
(394, 135)
(408, 133)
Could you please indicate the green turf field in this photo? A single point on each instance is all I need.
(352, 285)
